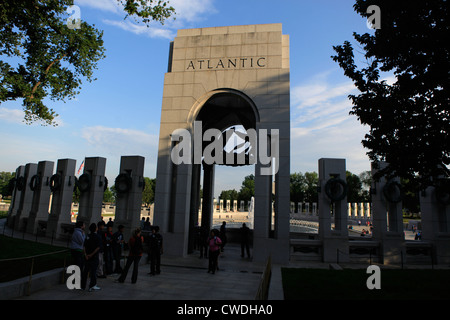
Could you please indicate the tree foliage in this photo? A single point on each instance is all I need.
(41, 57)
(247, 190)
(148, 195)
(410, 119)
(5, 185)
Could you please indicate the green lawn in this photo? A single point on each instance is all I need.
(18, 248)
(299, 284)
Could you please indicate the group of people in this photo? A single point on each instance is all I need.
(99, 252)
(213, 243)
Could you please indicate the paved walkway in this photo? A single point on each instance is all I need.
(180, 279)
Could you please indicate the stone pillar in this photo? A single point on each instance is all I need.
(228, 205)
(19, 184)
(435, 208)
(129, 185)
(194, 206)
(235, 206)
(92, 184)
(354, 211)
(26, 198)
(333, 196)
(41, 196)
(307, 212)
(361, 210)
(387, 217)
(208, 197)
(241, 206)
(292, 207)
(300, 209)
(349, 210)
(367, 210)
(62, 184)
(314, 209)
(220, 205)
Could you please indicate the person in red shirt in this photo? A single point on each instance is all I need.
(214, 243)
(136, 248)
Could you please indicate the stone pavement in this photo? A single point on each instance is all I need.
(180, 279)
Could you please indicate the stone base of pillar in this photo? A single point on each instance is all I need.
(278, 249)
(442, 248)
(335, 250)
(392, 247)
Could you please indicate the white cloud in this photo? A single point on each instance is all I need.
(152, 32)
(120, 141)
(113, 143)
(192, 10)
(103, 5)
(322, 127)
(17, 116)
(186, 13)
(11, 115)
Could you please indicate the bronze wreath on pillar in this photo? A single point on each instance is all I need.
(35, 182)
(84, 182)
(336, 189)
(55, 182)
(392, 191)
(123, 183)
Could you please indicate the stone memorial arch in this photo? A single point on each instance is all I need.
(218, 78)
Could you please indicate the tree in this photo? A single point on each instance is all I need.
(108, 196)
(229, 195)
(410, 119)
(5, 178)
(247, 189)
(354, 187)
(312, 182)
(148, 195)
(366, 179)
(297, 187)
(43, 58)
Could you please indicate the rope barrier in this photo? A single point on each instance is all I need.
(35, 256)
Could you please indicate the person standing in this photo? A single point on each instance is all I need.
(77, 244)
(136, 248)
(108, 250)
(147, 224)
(156, 249)
(245, 237)
(223, 235)
(91, 249)
(101, 236)
(214, 244)
(117, 245)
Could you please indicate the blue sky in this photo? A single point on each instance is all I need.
(119, 113)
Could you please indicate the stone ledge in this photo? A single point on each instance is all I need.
(19, 287)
